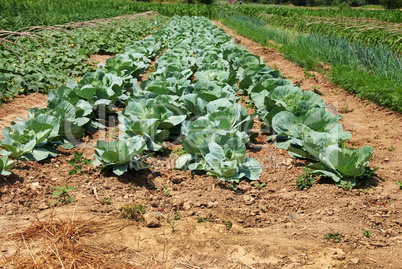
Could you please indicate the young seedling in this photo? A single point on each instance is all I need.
(335, 237)
(133, 212)
(200, 219)
(166, 191)
(78, 162)
(366, 233)
(172, 223)
(228, 224)
(399, 183)
(306, 180)
(106, 201)
(177, 215)
(259, 185)
(391, 148)
(63, 195)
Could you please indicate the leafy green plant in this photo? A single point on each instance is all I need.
(78, 162)
(132, 211)
(106, 201)
(259, 185)
(399, 183)
(63, 194)
(335, 237)
(6, 165)
(228, 224)
(200, 219)
(179, 151)
(306, 180)
(391, 148)
(120, 155)
(366, 233)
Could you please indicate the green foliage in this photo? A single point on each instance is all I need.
(391, 4)
(46, 64)
(120, 155)
(335, 237)
(132, 212)
(366, 233)
(63, 194)
(106, 201)
(399, 184)
(259, 185)
(228, 224)
(78, 162)
(200, 219)
(351, 67)
(6, 165)
(306, 180)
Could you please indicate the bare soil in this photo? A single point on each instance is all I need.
(276, 226)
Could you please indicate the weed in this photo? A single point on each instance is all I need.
(166, 191)
(366, 233)
(179, 151)
(200, 219)
(250, 104)
(345, 109)
(242, 99)
(172, 223)
(399, 183)
(306, 180)
(335, 237)
(106, 201)
(346, 185)
(307, 74)
(228, 224)
(259, 185)
(62, 193)
(391, 148)
(78, 162)
(316, 90)
(177, 215)
(133, 212)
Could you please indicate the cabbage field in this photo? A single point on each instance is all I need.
(186, 141)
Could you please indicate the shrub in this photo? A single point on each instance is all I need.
(391, 4)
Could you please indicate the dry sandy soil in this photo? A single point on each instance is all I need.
(276, 226)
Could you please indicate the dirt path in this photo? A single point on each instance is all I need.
(275, 226)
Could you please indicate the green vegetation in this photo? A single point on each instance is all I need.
(78, 162)
(172, 223)
(335, 237)
(354, 30)
(306, 180)
(399, 184)
(63, 194)
(204, 112)
(41, 59)
(200, 219)
(23, 13)
(228, 224)
(356, 67)
(366, 233)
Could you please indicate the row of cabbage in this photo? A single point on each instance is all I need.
(187, 97)
(78, 108)
(215, 129)
(192, 96)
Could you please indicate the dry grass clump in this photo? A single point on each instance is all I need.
(56, 243)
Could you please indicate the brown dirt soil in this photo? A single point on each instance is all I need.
(276, 226)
